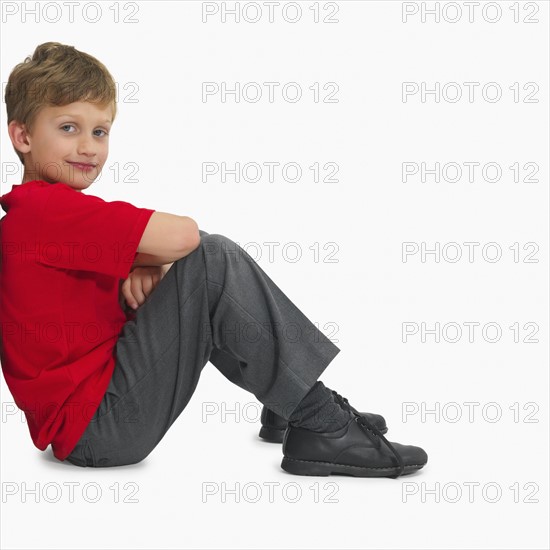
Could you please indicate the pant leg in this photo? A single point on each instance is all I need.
(214, 304)
(229, 366)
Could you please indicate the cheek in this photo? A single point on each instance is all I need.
(46, 150)
(104, 153)
(53, 145)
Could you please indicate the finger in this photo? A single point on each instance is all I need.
(131, 302)
(137, 290)
(156, 279)
(126, 290)
(147, 286)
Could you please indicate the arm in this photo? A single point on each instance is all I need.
(166, 238)
(143, 259)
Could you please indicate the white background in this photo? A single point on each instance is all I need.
(360, 300)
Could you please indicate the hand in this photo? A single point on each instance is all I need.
(140, 283)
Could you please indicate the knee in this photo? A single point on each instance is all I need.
(213, 243)
(222, 250)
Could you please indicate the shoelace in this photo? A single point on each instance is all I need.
(343, 402)
(373, 433)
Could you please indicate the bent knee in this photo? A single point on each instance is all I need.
(215, 241)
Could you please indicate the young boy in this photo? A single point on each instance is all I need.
(103, 386)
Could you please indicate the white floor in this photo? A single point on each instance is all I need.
(215, 484)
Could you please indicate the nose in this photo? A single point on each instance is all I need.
(86, 146)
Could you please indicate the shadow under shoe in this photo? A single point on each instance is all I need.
(274, 426)
(358, 449)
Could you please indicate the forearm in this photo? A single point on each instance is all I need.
(143, 259)
(168, 253)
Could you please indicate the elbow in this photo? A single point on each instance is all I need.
(191, 235)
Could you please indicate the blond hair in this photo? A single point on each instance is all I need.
(56, 75)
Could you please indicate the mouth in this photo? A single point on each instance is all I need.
(82, 165)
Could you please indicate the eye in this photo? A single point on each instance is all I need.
(99, 130)
(67, 125)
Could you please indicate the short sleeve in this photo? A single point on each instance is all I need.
(86, 233)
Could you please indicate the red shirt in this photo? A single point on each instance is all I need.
(62, 255)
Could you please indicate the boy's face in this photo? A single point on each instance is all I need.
(69, 144)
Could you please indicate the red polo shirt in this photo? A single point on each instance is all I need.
(62, 256)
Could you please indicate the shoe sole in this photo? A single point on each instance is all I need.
(317, 468)
(275, 435)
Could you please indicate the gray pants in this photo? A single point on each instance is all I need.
(215, 304)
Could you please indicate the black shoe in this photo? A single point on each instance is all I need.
(274, 426)
(358, 449)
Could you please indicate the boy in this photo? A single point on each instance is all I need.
(103, 386)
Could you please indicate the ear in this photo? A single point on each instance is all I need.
(19, 136)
